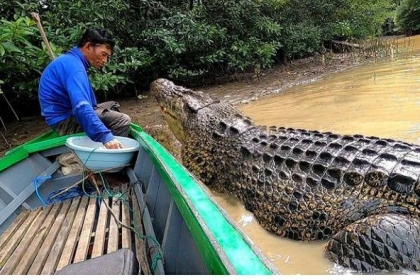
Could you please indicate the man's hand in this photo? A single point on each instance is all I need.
(114, 144)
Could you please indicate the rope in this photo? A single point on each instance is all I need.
(37, 182)
(118, 196)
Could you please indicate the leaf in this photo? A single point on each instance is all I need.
(26, 32)
(6, 34)
(11, 47)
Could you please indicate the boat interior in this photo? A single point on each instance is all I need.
(57, 217)
(55, 213)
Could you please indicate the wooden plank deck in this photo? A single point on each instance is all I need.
(44, 240)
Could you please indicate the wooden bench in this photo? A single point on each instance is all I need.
(44, 240)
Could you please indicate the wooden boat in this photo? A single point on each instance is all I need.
(50, 222)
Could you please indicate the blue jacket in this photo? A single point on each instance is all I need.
(65, 90)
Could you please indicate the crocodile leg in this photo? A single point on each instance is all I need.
(379, 242)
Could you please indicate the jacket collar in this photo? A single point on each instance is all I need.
(77, 52)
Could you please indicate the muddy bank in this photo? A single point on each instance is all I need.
(235, 89)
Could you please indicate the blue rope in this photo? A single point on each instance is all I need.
(67, 194)
(74, 192)
(38, 181)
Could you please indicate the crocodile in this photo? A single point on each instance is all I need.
(361, 194)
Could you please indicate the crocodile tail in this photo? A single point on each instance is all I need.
(379, 242)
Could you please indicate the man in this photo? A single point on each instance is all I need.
(68, 103)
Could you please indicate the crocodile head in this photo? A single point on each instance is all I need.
(178, 104)
(208, 130)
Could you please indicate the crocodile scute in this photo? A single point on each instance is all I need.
(361, 194)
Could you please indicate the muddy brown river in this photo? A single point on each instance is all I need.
(378, 99)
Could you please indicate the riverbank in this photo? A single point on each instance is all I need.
(236, 89)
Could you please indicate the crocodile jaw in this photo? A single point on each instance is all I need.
(178, 104)
(171, 103)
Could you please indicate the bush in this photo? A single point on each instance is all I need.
(407, 17)
(21, 62)
(301, 40)
(308, 24)
(212, 40)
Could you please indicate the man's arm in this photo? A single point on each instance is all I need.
(81, 94)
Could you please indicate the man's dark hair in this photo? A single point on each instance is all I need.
(96, 37)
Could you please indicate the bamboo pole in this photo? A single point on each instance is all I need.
(44, 37)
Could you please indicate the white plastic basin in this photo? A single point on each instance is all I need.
(95, 157)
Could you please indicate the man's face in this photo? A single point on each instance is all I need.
(97, 55)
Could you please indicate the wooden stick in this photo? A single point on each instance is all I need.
(5, 140)
(68, 188)
(4, 126)
(10, 105)
(44, 37)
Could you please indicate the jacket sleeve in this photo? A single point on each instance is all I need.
(79, 89)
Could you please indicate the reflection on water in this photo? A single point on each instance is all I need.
(380, 99)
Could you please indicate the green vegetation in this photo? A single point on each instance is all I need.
(407, 17)
(20, 60)
(190, 42)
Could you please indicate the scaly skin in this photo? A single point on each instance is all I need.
(361, 193)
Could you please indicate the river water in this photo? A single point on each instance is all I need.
(381, 98)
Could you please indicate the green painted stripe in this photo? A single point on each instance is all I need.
(49, 143)
(43, 142)
(243, 258)
(9, 160)
(46, 136)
